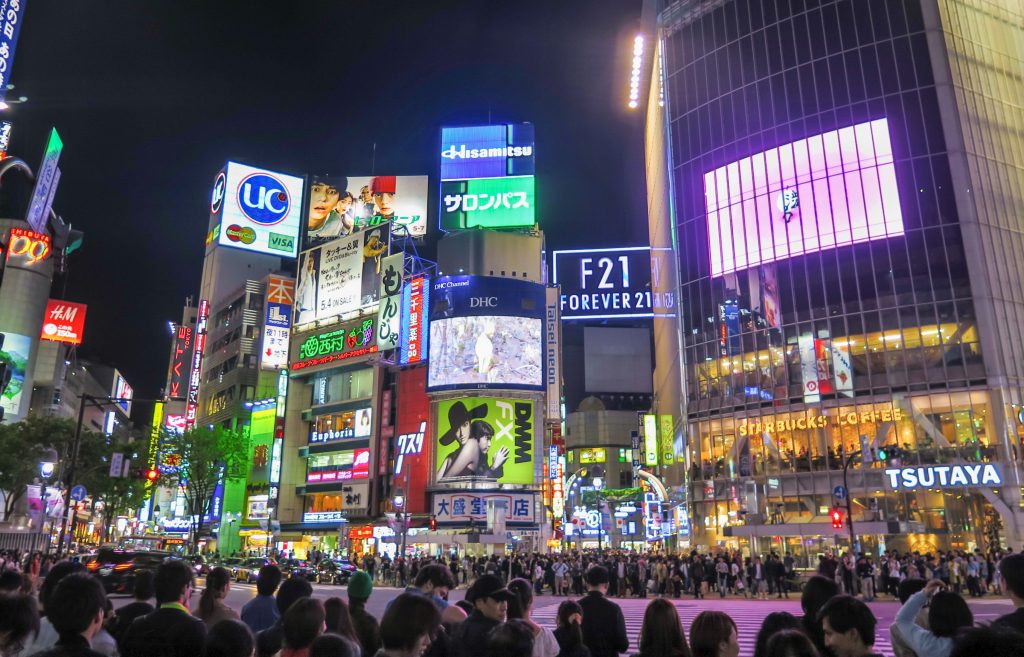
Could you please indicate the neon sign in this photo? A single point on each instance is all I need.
(944, 476)
(347, 342)
(197, 364)
(26, 248)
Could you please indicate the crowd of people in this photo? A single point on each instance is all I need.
(65, 612)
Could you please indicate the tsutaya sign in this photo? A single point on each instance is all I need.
(944, 476)
(760, 426)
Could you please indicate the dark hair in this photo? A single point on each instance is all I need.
(661, 634)
(909, 587)
(464, 605)
(11, 581)
(332, 645)
(217, 579)
(56, 574)
(75, 603)
(408, 618)
(512, 638)
(709, 630)
(1012, 569)
(995, 640)
(772, 624)
(480, 428)
(302, 623)
(790, 643)
(291, 590)
(845, 613)
(268, 580)
(817, 591)
(565, 610)
(948, 613)
(142, 586)
(523, 599)
(172, 576)
(339, 621)
(436, 574)
(19, 621)
(596, 575)
(229, 638)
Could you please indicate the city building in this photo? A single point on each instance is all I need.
(841, 184)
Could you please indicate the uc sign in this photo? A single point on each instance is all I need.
(263, 199)
(26, 248)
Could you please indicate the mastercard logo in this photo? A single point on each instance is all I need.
(236, 233)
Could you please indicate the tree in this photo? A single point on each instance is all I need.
(21, 446)
(205, 457)
(120, 495)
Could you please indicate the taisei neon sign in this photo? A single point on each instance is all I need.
(944, 476)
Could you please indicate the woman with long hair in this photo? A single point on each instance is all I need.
(544, 642)
(211, 609)
(713, 634)
(774, 623)
(339, 621)
(569, 632)
(661, 635)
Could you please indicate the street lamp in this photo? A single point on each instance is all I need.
(47, 464)
(598, 484)
(398, 501)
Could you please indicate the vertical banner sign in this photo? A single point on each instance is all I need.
(5, 137)
(11, 12)
(392, 274)
(650, 439)
(46, 177)
(388, 322)
(842, 368)
(197, 364)
(666, 430)
(808, 368)
(176, 384)
(277, 323)
(415, 300)
(552, 357)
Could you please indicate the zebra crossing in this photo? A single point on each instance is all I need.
(748, 616)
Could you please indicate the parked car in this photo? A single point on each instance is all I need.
(334, 571)
(248, 570)
(117, 568)
(298, 568)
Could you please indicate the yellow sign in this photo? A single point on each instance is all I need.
(762, 426)
(593, 455)
(667, 429)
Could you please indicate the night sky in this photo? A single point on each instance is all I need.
(151, 98)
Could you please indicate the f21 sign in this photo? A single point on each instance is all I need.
(612, 283)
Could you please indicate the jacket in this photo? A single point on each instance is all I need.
(70, 646)
(604, 626)
(470, 638)
(366, 627)
(260, 613)
(166, 632)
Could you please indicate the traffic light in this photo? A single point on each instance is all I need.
(152, 475)
(433, 523)
(837, 518)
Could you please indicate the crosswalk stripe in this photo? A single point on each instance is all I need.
(748, 617)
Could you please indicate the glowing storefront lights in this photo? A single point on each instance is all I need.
(634, 76)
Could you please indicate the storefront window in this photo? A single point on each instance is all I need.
(342, 386)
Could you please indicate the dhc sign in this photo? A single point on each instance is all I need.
(944, 476)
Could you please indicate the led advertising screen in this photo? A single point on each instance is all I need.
(64, 321)
(341, 276)
(340, 206)
(338, 466)
(485, 437)
(487, 151)
(262, 210)
(607, 284)
(488, 203)
(14, 352)
(822, 192)
(486, 332)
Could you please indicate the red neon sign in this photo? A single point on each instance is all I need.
(26, 247)
(64, 322)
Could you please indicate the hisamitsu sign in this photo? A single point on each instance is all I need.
(944, 476)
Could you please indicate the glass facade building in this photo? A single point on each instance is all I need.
(845, 192)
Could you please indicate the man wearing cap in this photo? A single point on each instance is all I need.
(490, 608)
(383, 190)
(604, 626)
(360, 586)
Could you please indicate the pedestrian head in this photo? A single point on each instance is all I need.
(817, 591)
(490, 597)
(229, 638)
(303, 622)
(597, 579)
(849, 626)
(713, 634)
(77, 606)
(435, 579)
(909, 587)
(360, 587)
(338, 620)
(771, 625)
(947, 613)
(790, 643)
(142, 588)
(332, 645)
(1012, 570)
(570, 614)
(173, 582)
(11, 582)
(291, 590)
(662, 634)
(218, 583)
(995, 640)
(57, 573)
(409, 625)
(511, 639)
(268, 580)
(522, 601)
(19, 622)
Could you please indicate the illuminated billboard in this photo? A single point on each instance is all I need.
(485, 437)
(488, 203)
(340, 276)
(177, 380)
(26, 248)
(487, 151)
(64, 321)
(341, 206)
(122, 391)
(411, 465)
(262, 210)
(413, 332)
(342, 425)
(338, 466)
(823, 192)
(192, 405)
(486, 332)
(357, 338)
(14, 352)
(607, 284)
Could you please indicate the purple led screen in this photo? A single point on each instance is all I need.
(822, 192)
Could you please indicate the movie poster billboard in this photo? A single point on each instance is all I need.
(340, 206)
(486, 438)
